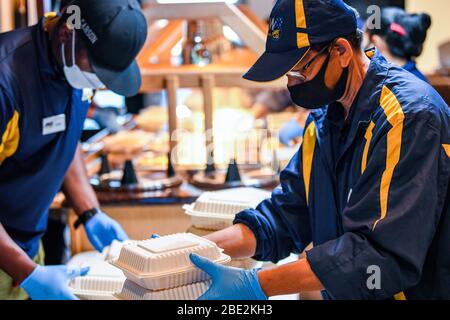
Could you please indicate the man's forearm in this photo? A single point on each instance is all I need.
(77, 188)
(13, 260)
(289, 279)
(237, 241)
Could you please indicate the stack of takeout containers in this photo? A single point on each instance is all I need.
(216, 210)
(160, 269)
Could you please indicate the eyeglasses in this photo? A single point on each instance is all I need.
(298, 74)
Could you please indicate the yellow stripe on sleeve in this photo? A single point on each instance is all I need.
(309, 145)
(400, 296)
(368, 137)
(10, 138)
(395, 117)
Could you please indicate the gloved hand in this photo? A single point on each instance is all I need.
(101, 230)
(51, 282)
(229, 283)
(290, 131)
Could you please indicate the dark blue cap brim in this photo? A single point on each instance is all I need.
(126, 82)
(272, 66)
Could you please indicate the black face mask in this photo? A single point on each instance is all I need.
(314, 94)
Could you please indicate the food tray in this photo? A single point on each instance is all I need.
(132, 291)
(216, 210)
(216, 181)
(164, 263)
(148, 181)
(128, 142)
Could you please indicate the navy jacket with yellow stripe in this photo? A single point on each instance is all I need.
(370, 192)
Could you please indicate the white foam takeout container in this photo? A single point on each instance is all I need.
(132, 291)
(96, 287)
(103, 279)
(217, 210)
(164, 263)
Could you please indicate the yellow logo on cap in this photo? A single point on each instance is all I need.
(275, 28)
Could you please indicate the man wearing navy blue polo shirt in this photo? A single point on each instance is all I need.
(369, 187)
(47, 74)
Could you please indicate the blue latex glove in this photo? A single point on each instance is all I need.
(51, 282)
(101, 230)
(229, 283)
(290, 131)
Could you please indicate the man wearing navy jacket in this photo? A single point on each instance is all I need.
(369, 186)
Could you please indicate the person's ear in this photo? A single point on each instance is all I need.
(65, 34)
(344, 52)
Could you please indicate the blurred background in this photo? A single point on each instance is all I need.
(197, 125)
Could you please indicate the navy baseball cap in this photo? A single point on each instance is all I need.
(295, 26)
(114, 32)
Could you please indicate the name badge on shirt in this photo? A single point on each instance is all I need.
(54, 124)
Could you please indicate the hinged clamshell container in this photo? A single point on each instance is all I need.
(216, 210)
(164, 262)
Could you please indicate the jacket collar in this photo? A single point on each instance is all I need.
(410, 65)
(366, 101)
(364, 105)
(45, 57)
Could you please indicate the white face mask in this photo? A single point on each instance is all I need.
(77, 78)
